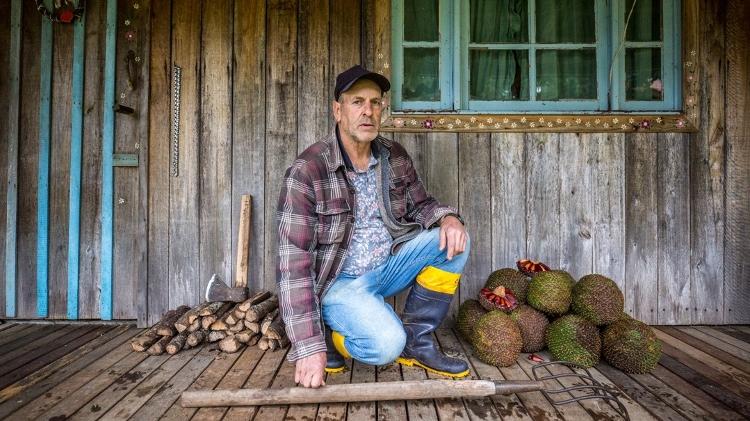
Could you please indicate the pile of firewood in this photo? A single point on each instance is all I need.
(234, 325)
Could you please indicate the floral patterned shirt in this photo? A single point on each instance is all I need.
(371, 241)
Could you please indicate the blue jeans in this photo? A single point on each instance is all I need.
(355, 306)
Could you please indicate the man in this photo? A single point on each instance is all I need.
(356, 226)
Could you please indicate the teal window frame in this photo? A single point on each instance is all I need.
(454, 63)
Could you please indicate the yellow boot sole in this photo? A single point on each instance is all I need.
(335, 370)
(410, 362)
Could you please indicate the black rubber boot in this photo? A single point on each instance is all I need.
(335, 362)
(423, 312)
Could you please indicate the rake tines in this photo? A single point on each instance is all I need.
(593, 389)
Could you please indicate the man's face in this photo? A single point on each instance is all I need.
(358, 110)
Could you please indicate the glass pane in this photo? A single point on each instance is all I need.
(421, 75)
(645, 22)
(566, 74)
(421, 20)
(499, 21)
(499, 75)
(566, 21)
(643, 74)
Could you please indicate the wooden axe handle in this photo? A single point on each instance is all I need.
(358, 392)
(243, 242)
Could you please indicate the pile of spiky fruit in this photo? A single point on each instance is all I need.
(514, 309)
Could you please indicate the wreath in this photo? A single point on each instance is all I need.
(66, 12)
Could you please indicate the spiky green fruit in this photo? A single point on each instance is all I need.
(631, 346)
(469, 313)
(497, 339)
(598, 299)
(511, 279)
(533, 324)
(550, 292)
(574, 339)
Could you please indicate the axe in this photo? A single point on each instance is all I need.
(217, 290)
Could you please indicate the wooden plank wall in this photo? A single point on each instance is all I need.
(664, 215)
(130, 186)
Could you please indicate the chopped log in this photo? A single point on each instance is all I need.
(230, 344)
(273, 344)
(238, 314)
(244, 336)
(177, 343)
(263, 343)
(283, 342)
(194, 313)
(195, 338)
(207, 320)
(267, 320)
(165, 326)
(254, 326)
(142, 342)
(195, 325)
(254, 340)
(231, 319)
(276, 329)
(160, 346)
(255, 299)
(219, 325)
(210, 309)
(237, 327)
(216, 335)
(258, 311)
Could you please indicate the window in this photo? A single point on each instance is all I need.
(536, 55)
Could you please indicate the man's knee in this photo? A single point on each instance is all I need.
(389, 346)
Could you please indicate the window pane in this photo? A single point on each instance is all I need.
(643, 74)
(566, 74)
(566, 21)
(421, 20)
(499, 21)
(421, 74)
(645, 22)
(499, 75)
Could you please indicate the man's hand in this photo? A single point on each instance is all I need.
(452, 235)
(310, 370)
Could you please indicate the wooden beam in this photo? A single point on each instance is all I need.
(108, 141)
(76, 150)
(14, 72)
(45, 91)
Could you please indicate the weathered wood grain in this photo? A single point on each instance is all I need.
(281, 118)
(673, 213)
(91, 167)
(9, 127)
(337, 411)
(707, 150)
(608, 192)
(262, 376)
(159, 112)
(249, 130)
(361, 373)
(474, 169)
(129, 232)
(641, 261)
(344, 37)
(726, 347)
(737, 231)
(28, 163)
(215, 150)
(508, 199)
(390, 410)
(59, 170)
(723, 337)
(576, 199)
(184, 234)
(708, 347)
(314, 80)
(421, 409)
(543, 198)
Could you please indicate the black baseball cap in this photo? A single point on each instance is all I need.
(348, 77)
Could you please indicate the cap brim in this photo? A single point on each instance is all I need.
(379, 79)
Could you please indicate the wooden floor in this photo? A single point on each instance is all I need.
(87, 371)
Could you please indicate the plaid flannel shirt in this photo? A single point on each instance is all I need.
(315, 223)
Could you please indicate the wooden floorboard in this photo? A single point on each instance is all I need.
(88, 372)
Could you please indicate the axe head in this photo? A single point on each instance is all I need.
(217, 290)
